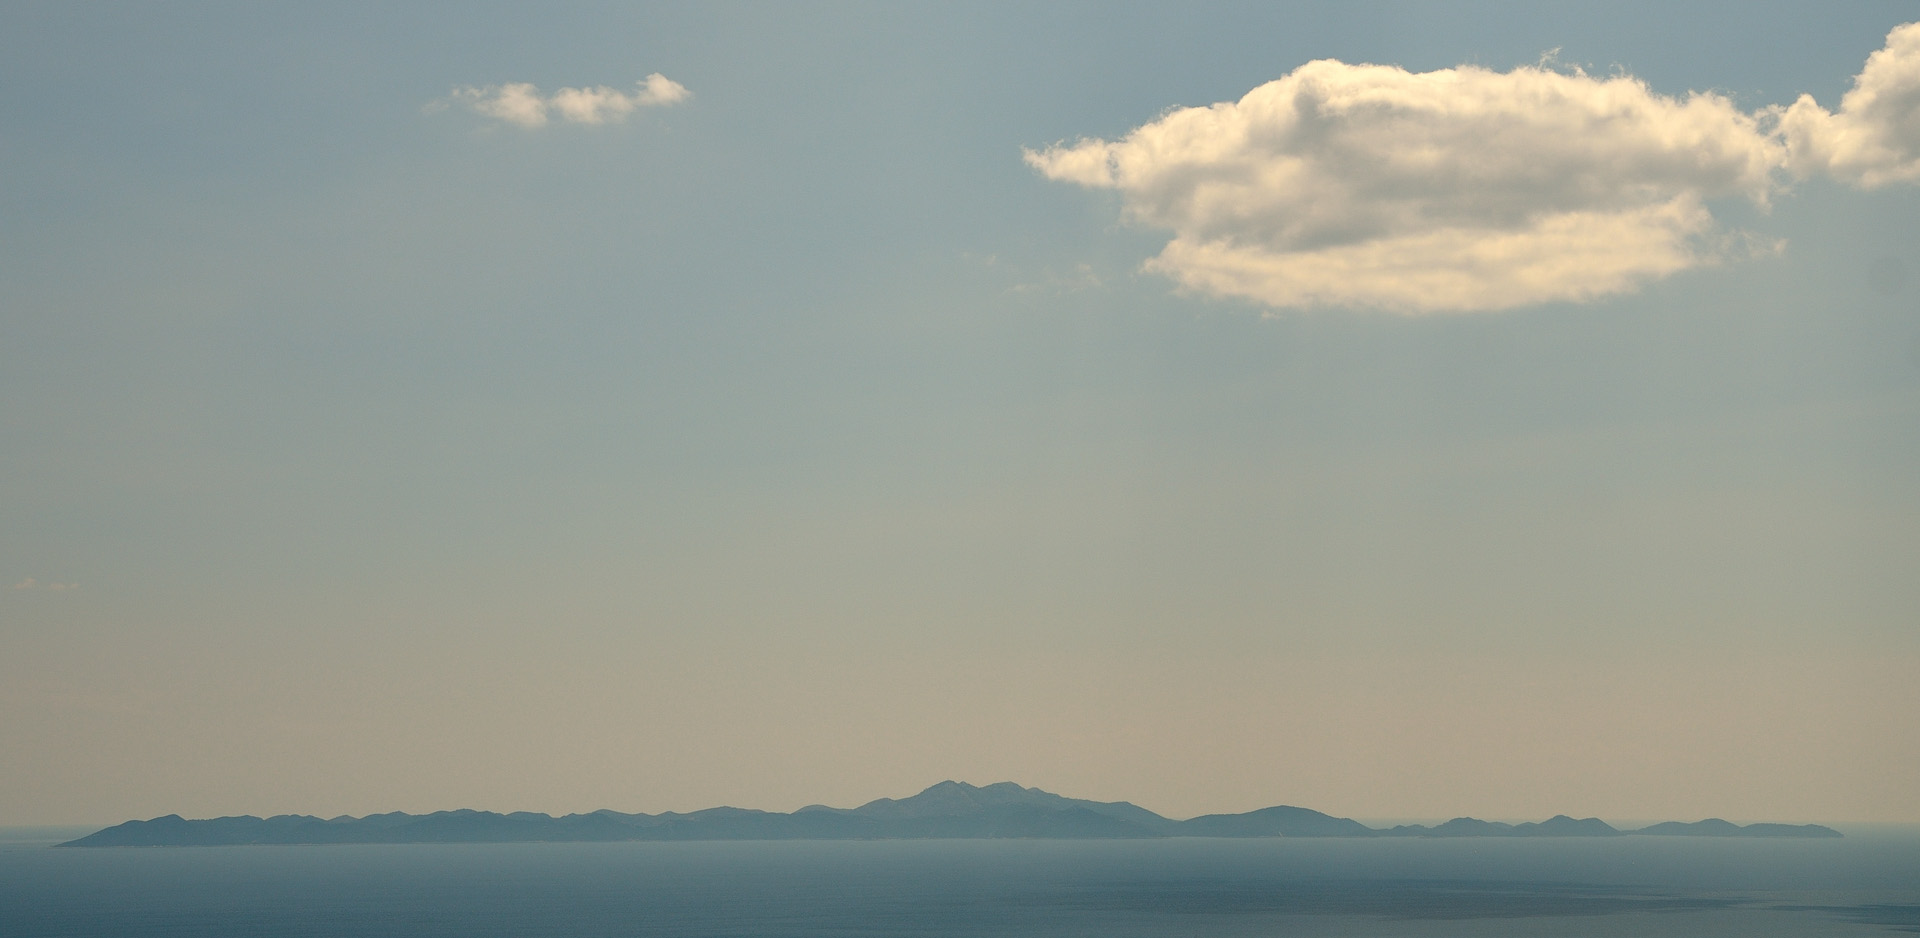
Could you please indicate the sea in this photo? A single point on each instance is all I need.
(1865, 884)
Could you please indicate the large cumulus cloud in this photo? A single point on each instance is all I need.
(1874, 139)
(1470, 189)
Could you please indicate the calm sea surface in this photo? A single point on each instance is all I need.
(1867, 884)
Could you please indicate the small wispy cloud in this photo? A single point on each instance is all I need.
(1051, 281)
(32, 584)
(524, 105)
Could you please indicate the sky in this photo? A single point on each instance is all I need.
(1399, 410)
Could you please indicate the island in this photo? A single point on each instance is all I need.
(947, 810)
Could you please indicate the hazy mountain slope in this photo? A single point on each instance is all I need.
(946, 810)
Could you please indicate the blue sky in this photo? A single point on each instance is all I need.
(803, 441)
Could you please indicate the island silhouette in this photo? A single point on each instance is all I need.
(954, 810)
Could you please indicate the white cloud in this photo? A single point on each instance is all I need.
(1469, 189)
(515, 102)
(522, 104)
(658, 89)
(32, 584)
(1559, 256)
(1874, 139)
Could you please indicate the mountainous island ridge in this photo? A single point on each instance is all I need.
(947, 810)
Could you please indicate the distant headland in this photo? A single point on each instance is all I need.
(947, 810)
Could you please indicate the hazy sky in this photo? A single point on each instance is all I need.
(573, 407)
